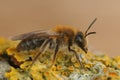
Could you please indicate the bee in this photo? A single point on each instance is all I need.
(55, 38)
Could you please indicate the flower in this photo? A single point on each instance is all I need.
(65, 67)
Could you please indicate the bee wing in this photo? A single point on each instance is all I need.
(35, 34)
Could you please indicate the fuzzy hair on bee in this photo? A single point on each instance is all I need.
(55, 38)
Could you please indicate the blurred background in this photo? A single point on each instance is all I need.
(21, 16)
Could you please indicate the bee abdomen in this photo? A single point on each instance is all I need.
(30, 44)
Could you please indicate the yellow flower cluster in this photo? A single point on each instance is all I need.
(66, 67)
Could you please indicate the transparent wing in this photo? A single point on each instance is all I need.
(35, 34)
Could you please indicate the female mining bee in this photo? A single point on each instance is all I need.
(55, 38)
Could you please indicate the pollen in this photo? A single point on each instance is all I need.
(66, 66)
(77, 65)
(71, 68)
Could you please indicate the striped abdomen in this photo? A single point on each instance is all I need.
(29, 44)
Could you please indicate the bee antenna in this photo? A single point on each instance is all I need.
(86, 34)
(90, 33)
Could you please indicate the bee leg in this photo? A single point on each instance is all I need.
(77, 56)
(41, 49)
(51, 44)
(56, 51)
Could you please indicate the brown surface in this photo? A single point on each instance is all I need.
(19, 16)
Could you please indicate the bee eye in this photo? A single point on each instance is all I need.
(78, 39)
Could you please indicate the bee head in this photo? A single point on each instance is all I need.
(80, 38)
